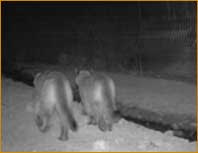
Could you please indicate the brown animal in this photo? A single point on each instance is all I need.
(98, 95)
(53, 93)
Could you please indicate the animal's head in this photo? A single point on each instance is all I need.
(81, 76)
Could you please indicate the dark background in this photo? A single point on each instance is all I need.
(142, 37)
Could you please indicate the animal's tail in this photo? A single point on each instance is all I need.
(64, 104)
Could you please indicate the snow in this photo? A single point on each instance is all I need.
(21, 134)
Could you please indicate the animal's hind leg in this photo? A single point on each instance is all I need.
(64, 133)
(103, 125)
(64, 123)
(63, 127)
(42, 118)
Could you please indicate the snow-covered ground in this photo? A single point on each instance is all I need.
(173, 97)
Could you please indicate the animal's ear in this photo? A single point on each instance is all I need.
(37, 74)
(36, 77)
(77, 72)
